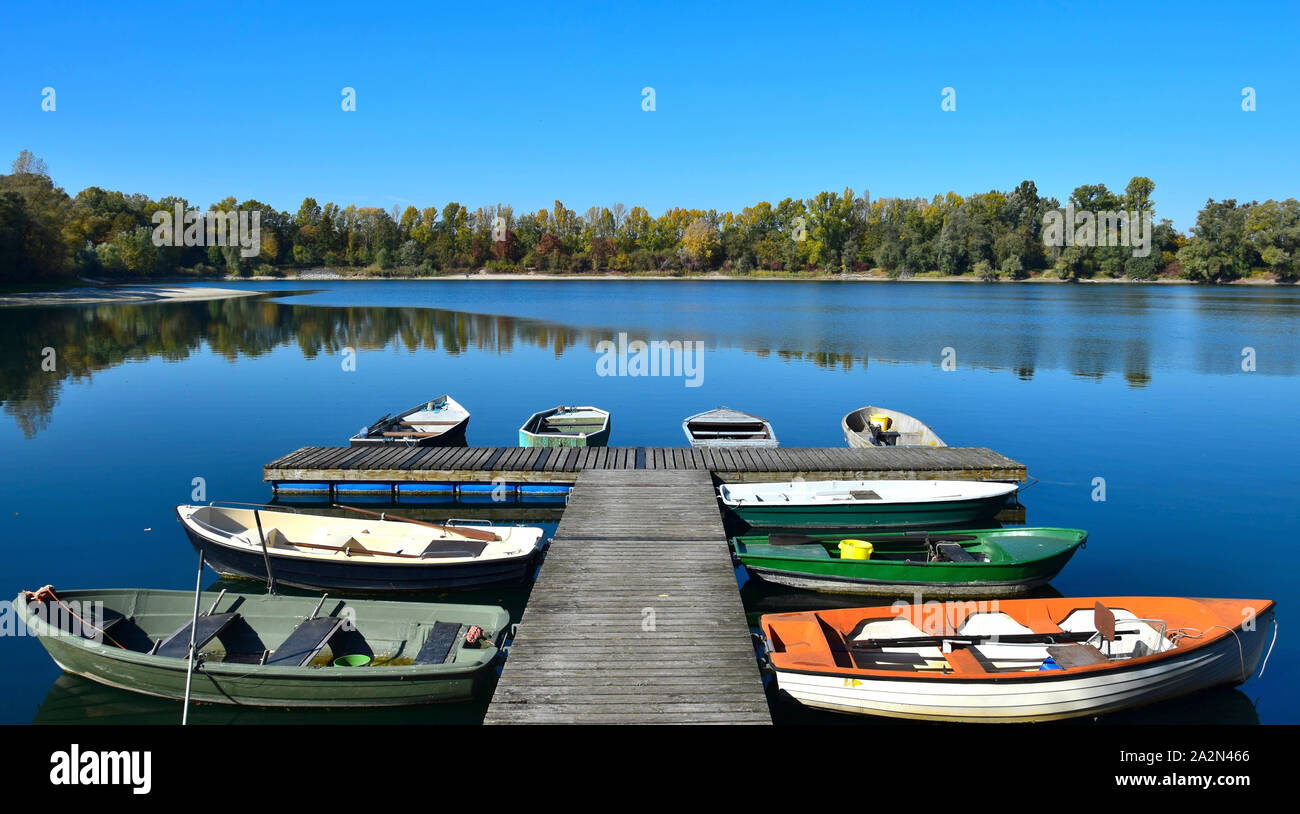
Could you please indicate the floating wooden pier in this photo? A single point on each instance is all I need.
(635, 617)
(325, 467)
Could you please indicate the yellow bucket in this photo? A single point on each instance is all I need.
(881, 420)
(856, 550)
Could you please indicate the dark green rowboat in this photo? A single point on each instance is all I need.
(995, 562)
(271, 651)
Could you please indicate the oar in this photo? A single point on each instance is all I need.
(1008, 638)
(194, 624)
(473, 534)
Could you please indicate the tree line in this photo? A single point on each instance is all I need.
(47, 235)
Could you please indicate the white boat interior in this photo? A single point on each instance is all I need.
(882, 427)
(1132, 638)
(574, 421)
(321, 537)
(726, 427)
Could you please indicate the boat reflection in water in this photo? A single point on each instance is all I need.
(79, 701)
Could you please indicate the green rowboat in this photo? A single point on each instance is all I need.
(267, 650)
(994, 562)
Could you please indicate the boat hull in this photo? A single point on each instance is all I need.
(930, 515)
(358, 576)
(830, 584)
(1054, 696)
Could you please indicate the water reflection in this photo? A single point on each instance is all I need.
(1091, 331)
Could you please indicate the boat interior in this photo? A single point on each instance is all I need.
(245, 630)
(734, 430)
(332, 537)
(889, 428)
(973, 638)
(918, 549)
(433, 418)
(568, 421)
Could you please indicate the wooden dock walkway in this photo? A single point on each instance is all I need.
(635, 617)
(401, 464)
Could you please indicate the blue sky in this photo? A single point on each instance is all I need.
(526, 103)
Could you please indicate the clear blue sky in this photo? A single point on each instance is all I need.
(526, 103)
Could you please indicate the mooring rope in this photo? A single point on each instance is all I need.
(41, 594)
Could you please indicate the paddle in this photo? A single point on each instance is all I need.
(473, 534)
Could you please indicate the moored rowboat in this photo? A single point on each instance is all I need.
(1018, 660)
(881, 427)
(270, 650)
(439, 422)
(321, 552)
(880, 503)
(993, 562)
(725, 427)
(566, 427)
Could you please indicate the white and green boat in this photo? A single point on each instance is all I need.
(926, 504)
(566, 427)
(267, 650)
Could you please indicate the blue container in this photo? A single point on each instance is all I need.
(425, 489)
(302, 488)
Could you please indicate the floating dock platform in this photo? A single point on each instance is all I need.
(635, 617)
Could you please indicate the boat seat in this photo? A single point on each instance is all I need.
(439, 643)
(1076, 655)
(953, 552)
(1040, 620)
(865, 494)
(964, 660)
(306, 640)
(453, 548)
(209, 627)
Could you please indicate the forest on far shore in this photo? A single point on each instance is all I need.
(48, 236)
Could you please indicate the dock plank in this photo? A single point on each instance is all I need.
(635, 617)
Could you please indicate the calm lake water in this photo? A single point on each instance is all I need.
(1142, 386)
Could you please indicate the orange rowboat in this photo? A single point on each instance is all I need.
(1015, 660)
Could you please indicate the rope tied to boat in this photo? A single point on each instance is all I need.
(1185, 633)
(46, 593)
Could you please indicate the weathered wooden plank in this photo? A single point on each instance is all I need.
(637, 580)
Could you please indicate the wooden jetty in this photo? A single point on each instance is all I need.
(635, 617)
(407, 465)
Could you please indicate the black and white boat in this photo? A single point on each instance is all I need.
(725, 427)
(380, 555)
(439, 422)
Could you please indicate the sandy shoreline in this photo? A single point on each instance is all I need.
(92, 295)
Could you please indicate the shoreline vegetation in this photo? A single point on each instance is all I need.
(49, 239)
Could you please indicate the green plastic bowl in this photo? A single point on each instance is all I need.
(356, 660)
